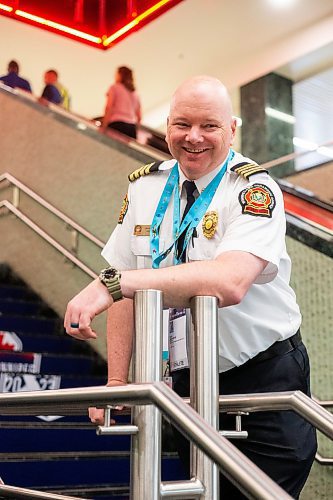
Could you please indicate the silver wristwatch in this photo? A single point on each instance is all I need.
(110, 277)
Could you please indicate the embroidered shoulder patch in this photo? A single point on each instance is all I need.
(257, 200)
(248, 169)
(145, 170)
(123, 210)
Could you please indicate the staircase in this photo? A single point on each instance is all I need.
(56, 453)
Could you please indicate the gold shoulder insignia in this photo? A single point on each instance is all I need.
(145, 170)
(123, 211)
(247, 169)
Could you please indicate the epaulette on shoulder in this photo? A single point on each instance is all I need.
(247, 169)
(145, 170)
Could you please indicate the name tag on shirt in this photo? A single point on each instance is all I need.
(178, 340)
(141, 230)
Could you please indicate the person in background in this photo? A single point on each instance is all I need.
(53, 79)
(210, 222)
(12, 79)
(123, 108)
(51, 92)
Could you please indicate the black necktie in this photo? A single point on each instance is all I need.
(190, 187)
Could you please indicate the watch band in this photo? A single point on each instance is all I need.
(110, 277)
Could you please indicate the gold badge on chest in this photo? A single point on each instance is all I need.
(209, 224)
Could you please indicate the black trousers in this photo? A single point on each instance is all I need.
(281, 443)
(125, 128)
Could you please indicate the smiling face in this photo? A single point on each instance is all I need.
(200, 126)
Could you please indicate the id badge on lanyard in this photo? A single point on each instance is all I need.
(178, 352)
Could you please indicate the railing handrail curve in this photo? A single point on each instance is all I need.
(234, 464)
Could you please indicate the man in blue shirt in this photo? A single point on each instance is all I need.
(12, 79)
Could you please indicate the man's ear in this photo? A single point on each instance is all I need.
(233, 130)
(167, 133)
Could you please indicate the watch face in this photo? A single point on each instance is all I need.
(109, 273)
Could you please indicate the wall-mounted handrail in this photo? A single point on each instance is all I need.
(43, 234)
(15, 182)
(293, 156)
(251, 480)
(324, 460)
(325, 403)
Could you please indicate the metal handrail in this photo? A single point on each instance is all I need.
(22, 187)
(16, 493)
(181, 415)
(292, 156)
(48, 238)
(249, 478)
(293, 400)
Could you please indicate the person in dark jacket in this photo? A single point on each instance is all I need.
(50, 92)
(12, 79)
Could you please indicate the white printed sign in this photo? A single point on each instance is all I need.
(14, 382)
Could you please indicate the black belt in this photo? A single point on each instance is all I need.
(277, 349)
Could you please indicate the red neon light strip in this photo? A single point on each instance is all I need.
(57, 26)
(133, 23)
(86, 36)
(5, 7)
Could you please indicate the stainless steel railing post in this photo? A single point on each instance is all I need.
(147, 367)
(204, 385)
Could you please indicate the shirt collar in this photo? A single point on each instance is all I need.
(202, 182)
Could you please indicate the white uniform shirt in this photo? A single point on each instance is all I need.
(269, 311)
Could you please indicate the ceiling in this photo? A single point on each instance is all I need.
(234, 40)
(99, 23)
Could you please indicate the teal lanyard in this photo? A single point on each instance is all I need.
(192, 218)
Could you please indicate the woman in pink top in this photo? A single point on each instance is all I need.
(123, 109)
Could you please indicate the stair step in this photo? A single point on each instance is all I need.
(97, 492)
(29, 324)
(78, 470)
(20, 307)
(31, 342)
(17, 292)
(44, 440)
(59, 473)
(32, 362)
(23, 382)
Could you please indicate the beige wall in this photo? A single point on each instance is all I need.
(312, 280)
